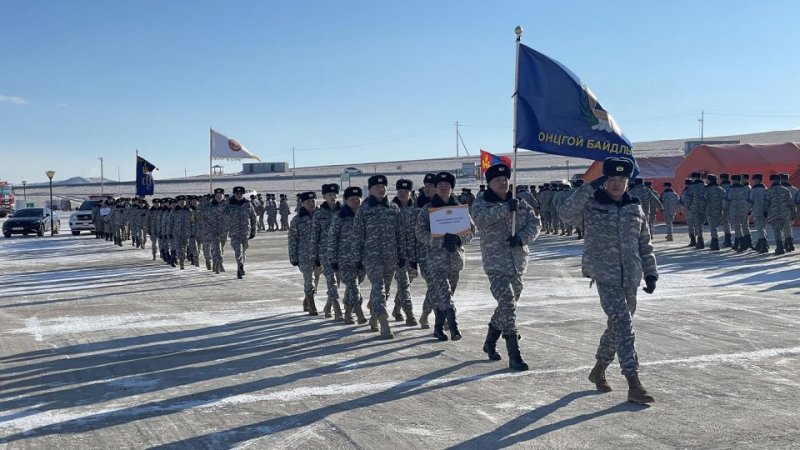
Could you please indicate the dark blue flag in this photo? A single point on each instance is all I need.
(557, 113)
(144, 177)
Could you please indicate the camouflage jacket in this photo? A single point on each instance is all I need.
(655, 202)
(240, 218)
(284, 208)
(181, 222)
(756, 197)
(341, 239)
(714, 196)
(120, 217)
(617, 247)
(641, 193)
(271, 208)
(300, 237)
(438, 257)
(377, 226)
(422, 247)
(217, 223)
(545, 200)
(694, 200)
(320, 225)
(408, 236)
(777, 203)
(493, 219)
(670, 201)
(154, 221)
(529, 199)
(737, 199)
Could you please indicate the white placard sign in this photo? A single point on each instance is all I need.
(450, 219)
(105, 210)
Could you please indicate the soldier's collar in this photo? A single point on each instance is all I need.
(490, 196)
(336, 207)
(603, 198)
(375, 202)
(437, 201)
(345, 211)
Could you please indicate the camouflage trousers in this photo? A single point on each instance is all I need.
(261, 222)
(154, 244)
(284, 222)
(546, 220)
(239, 244)
(787, 224)
(695, 222)
(651, 221)
(404, 276)
(714, 221)
(380, 275)
(619, 304)
(163, 243)
(741, 225)
(443, 285)
(272, 222)
(330, 277)
(427, 306)
(555, 221)
(191, 248)
(179, 243)
(761, 226)
(726, 220)
(307, 269)
(779, 229)
(506, 289)
(205, 243)
(351, 278)
(669, 219)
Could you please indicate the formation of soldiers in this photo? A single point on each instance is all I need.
(183, 227)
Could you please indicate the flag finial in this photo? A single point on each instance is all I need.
(518, 30)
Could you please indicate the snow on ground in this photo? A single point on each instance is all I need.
(103, 347)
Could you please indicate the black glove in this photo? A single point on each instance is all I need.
(515, 241)
(401, 263)
(650, 281)
(451, 242)
(294, 263)
(171, 237)
(335, 267)
(513, 204)
(317, 263)
(599, 181)
(414, 265)
(252, 235)
(765, 214)
(360, 266)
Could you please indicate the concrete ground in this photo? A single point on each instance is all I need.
(104, 348)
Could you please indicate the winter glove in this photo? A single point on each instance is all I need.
(650, 282)
(599, 181)
(294, 263)
(317, 263)
(360, 266)
(515, 241)
(335, 267)
(401, 263)
(765, 214)
(171, 236)
(513, 204)
(451, 242)
(414, 265)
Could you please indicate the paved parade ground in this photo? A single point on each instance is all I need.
(103, 348)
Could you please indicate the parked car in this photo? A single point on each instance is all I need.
(353, 171)
(81, 219)
(31, 220)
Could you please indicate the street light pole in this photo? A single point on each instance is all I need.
(101, 175)
(24, 194)
(50, 174)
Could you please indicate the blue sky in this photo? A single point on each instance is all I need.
(357, 81)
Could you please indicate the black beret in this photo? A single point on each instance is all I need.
(180, 197)
(377, 179)
(497, 170)
(758, 176)
(353, 191)
(724, 176)
(404, 184)
(446, 177)
(429, 178)
(736, 177)
(238, 190)
(307, 196)
(617, 167)
(219, 191)
(332, 188)
(774, 177)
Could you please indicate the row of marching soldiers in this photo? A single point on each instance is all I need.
(179, 228)
(369, 236)
(271, 208)
(730, 202)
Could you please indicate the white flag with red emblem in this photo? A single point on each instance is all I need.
(223, 147)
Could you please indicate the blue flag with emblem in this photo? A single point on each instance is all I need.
(144, 177)
(558, 114)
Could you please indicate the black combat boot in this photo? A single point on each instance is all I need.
(386, 332)
(727, 241)
(312, 305)
(761, 246)
(515, 361)
(239, 271)
(359, 314)
(490, 345)
(410, 320)
(779, 250)
(738, 244)
(337, 311)
(636, 392)
(450, 314)
(438, 325)
(423, 320)
(748, 242)
(398, 316)
(305, 303)
(598, 377)
(789, 244)
(669, 237)
(208, 264)
(714, 244)
(692, 242)
(348, 315)
(700, 244)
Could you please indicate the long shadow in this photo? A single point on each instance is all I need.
(504, 436)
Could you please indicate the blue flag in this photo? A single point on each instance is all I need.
(558, 114)
(144, 177)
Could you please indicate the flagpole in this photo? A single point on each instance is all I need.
(136, 177)
(518, 32)
(210, 168)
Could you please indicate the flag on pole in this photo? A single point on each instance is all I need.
(223, 147)
(490, 159)
(144, 177)
(559, 114)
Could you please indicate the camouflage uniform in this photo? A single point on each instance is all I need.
(756, 199)
(195, 230)
(792, 214)
(670, 203)
(320, 228)
(617, 253)
(655, 205)
(300, 251)
(546, 207)
(504, 265)
(422, 261)
(777, 202)
(258, 205)
(406, 274)
(241, 223)
(119, 218)
(341, 251)
(181, 230)
(284, 210)
(726, 215)
(737, 207)
(377, 226)
(272, 214)
(714, 196)
(154, 228)
(695, 204)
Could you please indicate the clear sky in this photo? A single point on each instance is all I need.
(357, 81)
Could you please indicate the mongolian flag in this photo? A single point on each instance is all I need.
(490, 159)
(559, 114)
(144, 177)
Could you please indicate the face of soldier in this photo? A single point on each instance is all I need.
(499, 185)
(309, 204)
(430, 190)
(239, 196)
(330, 197)
(181, 203)
(378, 191)
(219, 197)
(403, 195)
(616, 187)
(443, 190)
(353, 202)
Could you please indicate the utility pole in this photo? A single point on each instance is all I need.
(701, 120)
(457, 154)
(102, 180)
(294, 172)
